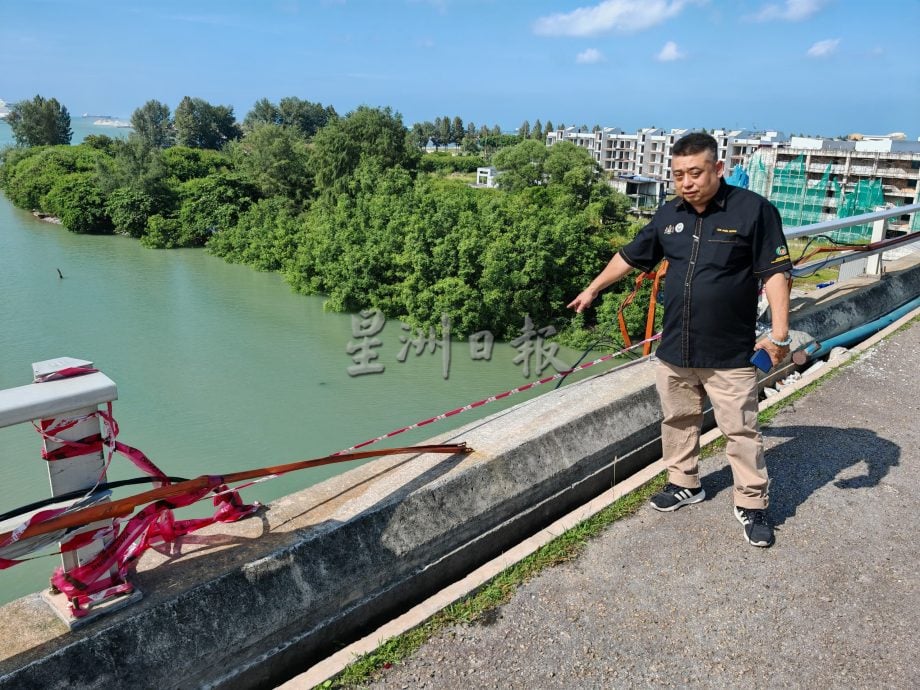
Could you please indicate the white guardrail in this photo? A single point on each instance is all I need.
(66, 410)
(877, 218)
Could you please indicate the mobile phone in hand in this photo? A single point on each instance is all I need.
(762, 361)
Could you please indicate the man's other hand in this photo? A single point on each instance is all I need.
(777, 352)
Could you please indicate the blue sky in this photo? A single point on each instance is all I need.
(811, 66)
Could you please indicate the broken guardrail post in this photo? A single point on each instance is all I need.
(63, 403)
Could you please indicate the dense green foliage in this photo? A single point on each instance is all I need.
(201, 125)
(153, 125)
(304, 117)
(276, 159)
(350, 208)
(39, 122)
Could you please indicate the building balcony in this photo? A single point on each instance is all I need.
(899, 172)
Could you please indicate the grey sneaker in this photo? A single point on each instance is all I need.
(757, 528)
(672, 497)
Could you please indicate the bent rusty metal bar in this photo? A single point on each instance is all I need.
(125, 506)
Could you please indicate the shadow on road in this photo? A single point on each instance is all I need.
(811, 457)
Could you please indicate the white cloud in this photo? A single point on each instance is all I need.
(625, 15)
(790, 10)
(589, 56)
(670, 52)
(823, 49)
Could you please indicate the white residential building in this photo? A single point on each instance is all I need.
(738, 145)
(647, 152)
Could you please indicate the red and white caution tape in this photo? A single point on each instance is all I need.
(499, 396)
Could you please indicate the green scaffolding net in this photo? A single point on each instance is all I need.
(798, 202)
(801, 202)
(757, 172)
(866, 197)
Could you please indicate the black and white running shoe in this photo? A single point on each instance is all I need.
(672, 497)
(757, 528)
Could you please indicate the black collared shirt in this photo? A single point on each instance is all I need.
(716, 260)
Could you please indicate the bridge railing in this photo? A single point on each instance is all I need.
(66, 410)
(877, 218)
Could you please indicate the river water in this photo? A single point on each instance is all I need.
(219, 368)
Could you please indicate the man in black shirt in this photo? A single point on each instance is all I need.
(721, 242)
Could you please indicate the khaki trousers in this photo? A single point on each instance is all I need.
(733, 393)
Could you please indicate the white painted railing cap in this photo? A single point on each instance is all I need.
(43, 400)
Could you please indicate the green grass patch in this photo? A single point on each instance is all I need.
(796, 247)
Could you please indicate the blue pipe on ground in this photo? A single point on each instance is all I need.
(848, 338)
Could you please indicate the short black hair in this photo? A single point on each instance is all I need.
(695, 143)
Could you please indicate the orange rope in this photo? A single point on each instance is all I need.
(656, 276)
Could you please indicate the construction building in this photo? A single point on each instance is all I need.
(647, 152)
(816, 179)
(809, 179)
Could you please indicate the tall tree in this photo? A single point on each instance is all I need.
(39, 122)
(153, 125)
(572, 168)
(302, 116)
(456, 129)
(305, 116)
(435, 135)
(522, 165)
(445, 133)
(524, 130)
(204, 126)
(537, 131)
(373, 135)
(264, 112)
(275, 159)
(418, 134)
(549, 127)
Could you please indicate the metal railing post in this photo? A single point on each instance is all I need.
(66, 410)
(874, 262)
(74, 472)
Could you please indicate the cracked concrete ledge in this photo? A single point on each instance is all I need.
(250, 604)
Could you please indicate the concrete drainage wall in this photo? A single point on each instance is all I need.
(248, 604)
